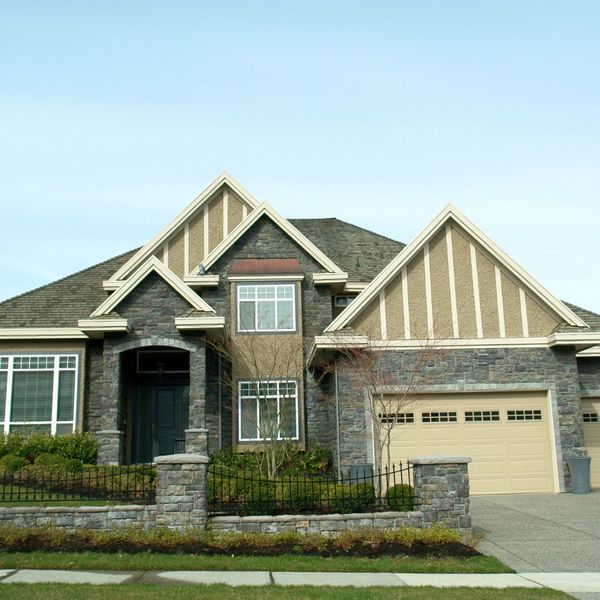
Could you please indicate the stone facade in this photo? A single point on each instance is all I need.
(150, 310)
(443, 485)
(181, 491)
(91, 517)
(441, 488)
(489, 369)
(327, 525)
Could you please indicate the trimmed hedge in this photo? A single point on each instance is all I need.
(436, 541)
(73, 446)
(400, 497)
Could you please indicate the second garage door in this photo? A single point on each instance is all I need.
(591, 435)
(507, 436)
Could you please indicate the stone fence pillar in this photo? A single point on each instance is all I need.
(442, 490)
(181, 491)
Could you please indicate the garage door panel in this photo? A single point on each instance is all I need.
(591, 434)
(508, 455)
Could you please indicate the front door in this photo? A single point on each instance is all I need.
(160, 420)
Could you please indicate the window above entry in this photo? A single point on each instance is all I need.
(266, 307)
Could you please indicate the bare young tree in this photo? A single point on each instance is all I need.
(264, 378)
(389, 397)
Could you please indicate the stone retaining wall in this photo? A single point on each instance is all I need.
(321, 524)
(92, 517)
(441, 487)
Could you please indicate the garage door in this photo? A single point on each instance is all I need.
(507, 436)
(591, 435)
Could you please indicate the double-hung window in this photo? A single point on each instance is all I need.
(266, 307)
(267, 410)
(38, 393)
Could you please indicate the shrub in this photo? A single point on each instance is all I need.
(79, 446)
(400, 497)
(299, 495)
(355, 498)
(434, 541)
(50, 461)
(11, 463)
(259, 498)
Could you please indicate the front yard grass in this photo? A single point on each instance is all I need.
(145, 561)
(221, 592)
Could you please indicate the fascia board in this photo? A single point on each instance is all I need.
(405, 255)
(108, 325)
(39, 333)
(200, 281)
(178, 221)
(152, 264)
(573, 338)
(198, 323)
(284, 224)
(329, 278)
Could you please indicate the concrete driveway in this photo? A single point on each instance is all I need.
(541, 532)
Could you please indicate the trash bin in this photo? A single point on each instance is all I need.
(579, 466)
(361, 471)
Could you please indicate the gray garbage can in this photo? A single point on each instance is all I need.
(579, 466)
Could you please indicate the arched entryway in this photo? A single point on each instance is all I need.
(156, 382)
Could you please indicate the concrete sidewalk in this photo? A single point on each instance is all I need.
(578, 583)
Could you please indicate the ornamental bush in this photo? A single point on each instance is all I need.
(79, 446)
(10, 463)
(400, 497)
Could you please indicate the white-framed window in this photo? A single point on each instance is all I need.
(267, 409)
(343, 301)
(266, 307)
(38, 393)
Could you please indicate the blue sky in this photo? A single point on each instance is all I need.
(114, 115)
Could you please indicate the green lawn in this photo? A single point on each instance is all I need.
(186, 562)
(221, 592)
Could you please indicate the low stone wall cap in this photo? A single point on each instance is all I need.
(440, 459)
(182, 459)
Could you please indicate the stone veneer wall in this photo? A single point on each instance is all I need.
(266, 240)
(441, 496)
(321, 524)
(92, 517)
(489, 369)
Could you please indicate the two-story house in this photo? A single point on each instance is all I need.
(219, 327)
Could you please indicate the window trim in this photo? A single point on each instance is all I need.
(55, 370)
(258, 284)
(296, 437)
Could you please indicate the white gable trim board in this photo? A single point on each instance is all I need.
(421, 241)
(151, 265)
(266, 210)
(159, 240)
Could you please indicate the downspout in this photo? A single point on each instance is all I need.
(219, 394)
(337, 424)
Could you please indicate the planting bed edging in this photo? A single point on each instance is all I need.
(321, 524)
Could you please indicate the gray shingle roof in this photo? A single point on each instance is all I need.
(358, 251)
(64, 302)
(591, 318)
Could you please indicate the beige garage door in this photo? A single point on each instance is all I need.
(591, 435)
(507, 435)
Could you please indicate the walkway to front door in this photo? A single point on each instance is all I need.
(540, 532)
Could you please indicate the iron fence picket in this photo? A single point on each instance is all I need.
(241, 491)
(134, 483)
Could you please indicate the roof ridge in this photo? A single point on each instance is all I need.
(80, 272)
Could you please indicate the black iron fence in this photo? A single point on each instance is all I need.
(118, 484)
(239, 492)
